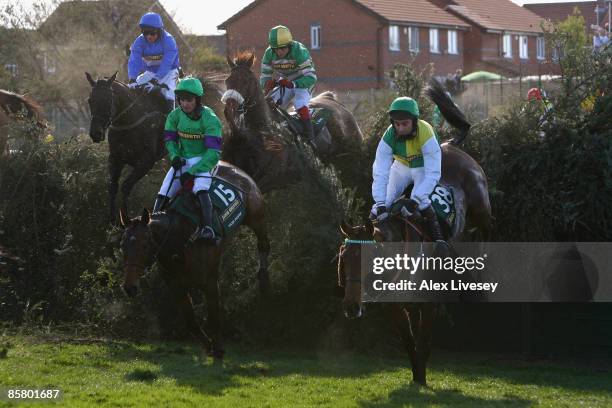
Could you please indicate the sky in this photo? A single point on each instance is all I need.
(202, 17)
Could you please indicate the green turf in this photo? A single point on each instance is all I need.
(121, 374)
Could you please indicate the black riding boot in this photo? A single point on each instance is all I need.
(205, 230)
(308, 129)
(160, 203)
(434, 225)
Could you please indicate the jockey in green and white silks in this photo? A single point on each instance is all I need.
(193, 139)
(287, 70)
(408, 152)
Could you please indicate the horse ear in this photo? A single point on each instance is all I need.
(145, 216)
(251, 59)
(346, 229)
(230, 62)
(128, 51)
(90, 79)
(122, 218)
(112, 79)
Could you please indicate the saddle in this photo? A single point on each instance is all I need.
(229, 208)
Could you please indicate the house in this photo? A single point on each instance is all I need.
(594, 12)
(354, 43)
(503, 38)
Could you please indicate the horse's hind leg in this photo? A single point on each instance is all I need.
(114, 170)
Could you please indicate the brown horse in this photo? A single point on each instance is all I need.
(461, 173)
(12, 103)
(247, 107)
(164, 237)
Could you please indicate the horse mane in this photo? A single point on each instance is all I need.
(34, 108)
(242, 58)
(449, 110)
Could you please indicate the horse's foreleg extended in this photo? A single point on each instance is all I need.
(139, 171)
(423, 340)
(114, 170)
(402, 325)
(263, 249)
(185, 306)
(213, 303)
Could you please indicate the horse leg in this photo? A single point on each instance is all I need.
(423, 340)
(401, 322)
(185, 306)
(139, 171)
(482, 221)
(114, 170)
(213, 304)
(263, 249)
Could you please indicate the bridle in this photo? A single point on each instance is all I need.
(109, 122)
(344, 248)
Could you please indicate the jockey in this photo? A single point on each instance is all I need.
(193, 140)
(408, 152)
(539, 96)
(154, 57)
(287, 63)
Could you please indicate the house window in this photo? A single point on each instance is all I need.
(315, 37)
(541, 48)
(523, 47)
(394, 41)
(507, 46)
(452, 42)
(434, 43)
(413, 39)
(11, 69)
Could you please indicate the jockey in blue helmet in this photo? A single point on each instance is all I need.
(154, 56)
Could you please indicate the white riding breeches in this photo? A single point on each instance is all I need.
(400, 177)
(171, 184)
(299, 96)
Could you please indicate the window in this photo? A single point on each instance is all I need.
(452, 42)
(11, 69)
(507, 46)
(523, 47)
(394, 42)
(541, 48)
(413, 39)
(434, 44)
(315, 37)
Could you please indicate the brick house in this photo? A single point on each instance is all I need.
(355, 42)
(504, 37)
(560, 11)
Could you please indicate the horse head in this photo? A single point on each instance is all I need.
(243, 89)
(349, 266)
(101, 105)
(137, 248)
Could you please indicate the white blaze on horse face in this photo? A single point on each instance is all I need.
(232, 94)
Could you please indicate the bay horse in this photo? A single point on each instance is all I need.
(164, 237)
(247, 107)
(462, 174)
(12, 103)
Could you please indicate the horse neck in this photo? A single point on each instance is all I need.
(257, 116)
(122, 100)
(170, 230)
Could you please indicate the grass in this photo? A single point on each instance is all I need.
(105, 373)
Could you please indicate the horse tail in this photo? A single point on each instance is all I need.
(449, 110)
(34, 110)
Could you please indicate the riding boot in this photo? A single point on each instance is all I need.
(205, 230)
(160, 203)
(434, 225)
(306, 123)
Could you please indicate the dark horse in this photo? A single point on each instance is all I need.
(164, 237)
(135, 122)
(247, 107)
(11, 104)
(468, 182)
